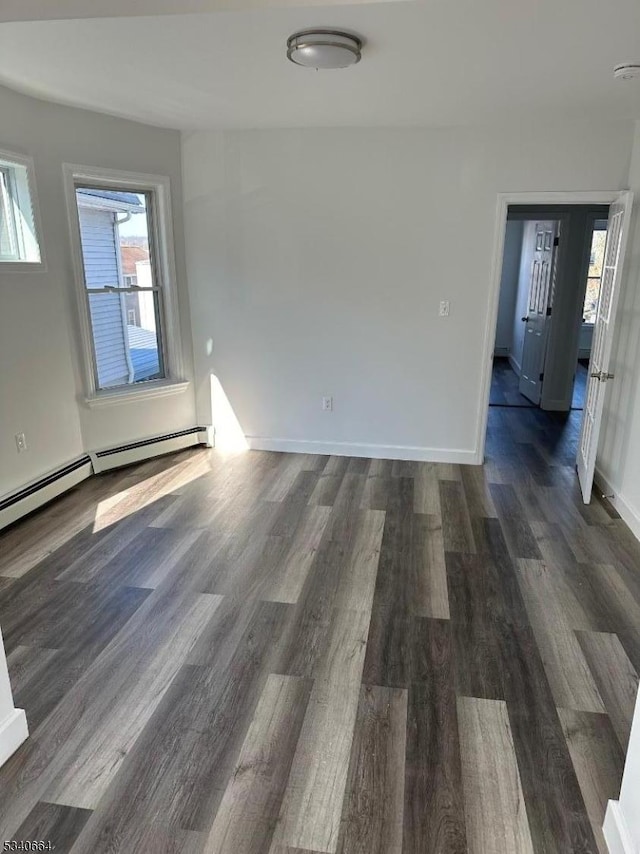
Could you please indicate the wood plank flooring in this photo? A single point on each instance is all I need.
(265, 653)
(505, 383)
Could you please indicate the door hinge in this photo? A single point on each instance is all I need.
(556, 240)
(549, 311)
(541, 377)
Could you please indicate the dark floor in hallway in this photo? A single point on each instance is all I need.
(505, 382)
(277, 654)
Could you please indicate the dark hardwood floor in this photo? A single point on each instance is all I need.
(505, 382)
(277, 654)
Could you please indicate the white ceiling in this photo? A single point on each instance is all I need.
(428, 62)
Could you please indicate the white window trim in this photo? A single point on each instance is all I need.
(25, 266)
(159, 388)
(162, 224)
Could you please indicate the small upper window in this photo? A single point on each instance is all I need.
(18, 234)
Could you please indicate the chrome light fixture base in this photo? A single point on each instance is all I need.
(324, 49)
(627, 70)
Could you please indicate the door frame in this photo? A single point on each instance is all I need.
(553, 197)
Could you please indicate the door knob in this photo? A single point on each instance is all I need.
(524, 319)
(602, 376)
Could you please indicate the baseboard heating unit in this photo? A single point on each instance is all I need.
(25, 500)
(41, 491)
(134, 452)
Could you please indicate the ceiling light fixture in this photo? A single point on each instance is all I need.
(627, 70)
(324, 49)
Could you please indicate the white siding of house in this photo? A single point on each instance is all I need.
(99, 252)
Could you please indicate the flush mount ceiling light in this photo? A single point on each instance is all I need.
(324, 49)
(627, 70)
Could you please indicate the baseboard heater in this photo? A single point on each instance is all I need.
(45, 489)
(134, 452)
(29, 498)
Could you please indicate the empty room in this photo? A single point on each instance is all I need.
(319, 427)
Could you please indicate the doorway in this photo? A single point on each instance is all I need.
(564, 307)
(551, 270)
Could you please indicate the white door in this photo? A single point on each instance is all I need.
(617, 233)
(534, 347)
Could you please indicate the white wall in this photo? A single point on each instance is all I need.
(619, 452)
(622, 821)
(584, 342)
(317, 259)
(630, 789)
(40, 382)
(508, 287)
(13, 722)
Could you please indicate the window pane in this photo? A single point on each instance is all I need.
(596, 261)
(124, 353)
(8, 236)
(127, 334)
(18, 238)
(142, 337)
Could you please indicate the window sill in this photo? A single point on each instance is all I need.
(22, 267)
(131, 395)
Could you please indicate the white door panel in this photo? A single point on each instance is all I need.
(599, 374)
(534, 347)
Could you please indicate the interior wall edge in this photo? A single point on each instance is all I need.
(615, 830)
(629, 513)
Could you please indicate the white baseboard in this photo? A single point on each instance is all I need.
(45, 489)
(515, 366)
(615, 831)
(13, 731)
(379, 452)
(627, 511)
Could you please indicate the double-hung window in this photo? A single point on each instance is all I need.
(126, 283)
(19, 241)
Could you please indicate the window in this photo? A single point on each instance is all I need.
(18, 233)
(596, 260)
(126, 284)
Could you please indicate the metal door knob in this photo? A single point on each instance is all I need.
(524, 319)
(601, 376)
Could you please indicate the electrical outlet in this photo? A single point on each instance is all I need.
(21, 442)
(327, 404)
(444, 308)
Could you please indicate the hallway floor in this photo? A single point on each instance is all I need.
(505, 382)
(277, 654)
